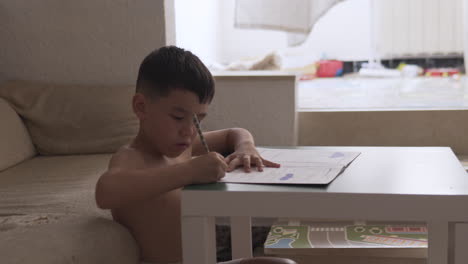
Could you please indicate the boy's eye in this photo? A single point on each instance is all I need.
(179, 118)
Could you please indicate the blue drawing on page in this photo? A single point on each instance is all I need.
(286, 177)
(337, 155)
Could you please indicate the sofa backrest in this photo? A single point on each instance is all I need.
(15, 142)
(73, 119)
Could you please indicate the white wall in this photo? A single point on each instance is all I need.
(206, 27)
(197, 27)
(84, 41)
(465, 32)
(237, 43)
(343, 33)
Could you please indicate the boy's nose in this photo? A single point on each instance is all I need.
(188, 130)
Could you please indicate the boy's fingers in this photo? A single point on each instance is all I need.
(271, 164)
(259, 163)
(224, 165)
(235, 161)
(246, 160)
(229, 158)
(233, 164)
(221, 158)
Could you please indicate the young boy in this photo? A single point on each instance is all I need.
(143, 182)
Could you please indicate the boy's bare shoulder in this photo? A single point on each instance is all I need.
(127, 158)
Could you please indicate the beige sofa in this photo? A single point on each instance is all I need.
(55, 141)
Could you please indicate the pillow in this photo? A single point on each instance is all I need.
(15, 142)
(73, 119)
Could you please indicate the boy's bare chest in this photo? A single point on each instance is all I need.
(164, 162)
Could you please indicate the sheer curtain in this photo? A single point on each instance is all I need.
(297, 17)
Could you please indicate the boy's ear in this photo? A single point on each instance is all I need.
(139, 105)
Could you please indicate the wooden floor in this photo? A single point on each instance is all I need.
(331, 259)
(347, 260)
(353, 260)
(259, 235)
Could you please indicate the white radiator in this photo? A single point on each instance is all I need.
(418, 27)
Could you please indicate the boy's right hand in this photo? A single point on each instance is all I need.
(208, 168)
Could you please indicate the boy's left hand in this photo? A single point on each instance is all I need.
(246, 155)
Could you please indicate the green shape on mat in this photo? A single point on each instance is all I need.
(297, 235)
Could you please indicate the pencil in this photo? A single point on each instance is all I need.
(197, 125)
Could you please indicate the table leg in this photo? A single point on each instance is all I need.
(438, 242)
(198, 240)
(461, 243)
(241, 237)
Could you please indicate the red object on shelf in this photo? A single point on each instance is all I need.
(443, 72)
(329, 68)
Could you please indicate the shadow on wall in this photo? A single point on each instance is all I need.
(86, 42)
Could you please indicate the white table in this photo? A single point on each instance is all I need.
(384, 183)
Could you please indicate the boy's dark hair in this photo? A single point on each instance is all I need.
(171, 68)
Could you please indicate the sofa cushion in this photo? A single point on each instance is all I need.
(15, 142)
(73, 119)
(81, 239)
(53, 185)
(48, 214)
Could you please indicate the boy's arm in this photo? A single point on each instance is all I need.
(223, 141)
(237, 142)
(127, 182)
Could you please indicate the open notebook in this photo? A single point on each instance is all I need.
(298, 166)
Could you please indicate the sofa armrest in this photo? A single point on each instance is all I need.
(15, 143)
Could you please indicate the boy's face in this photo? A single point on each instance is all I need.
(167, 122)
